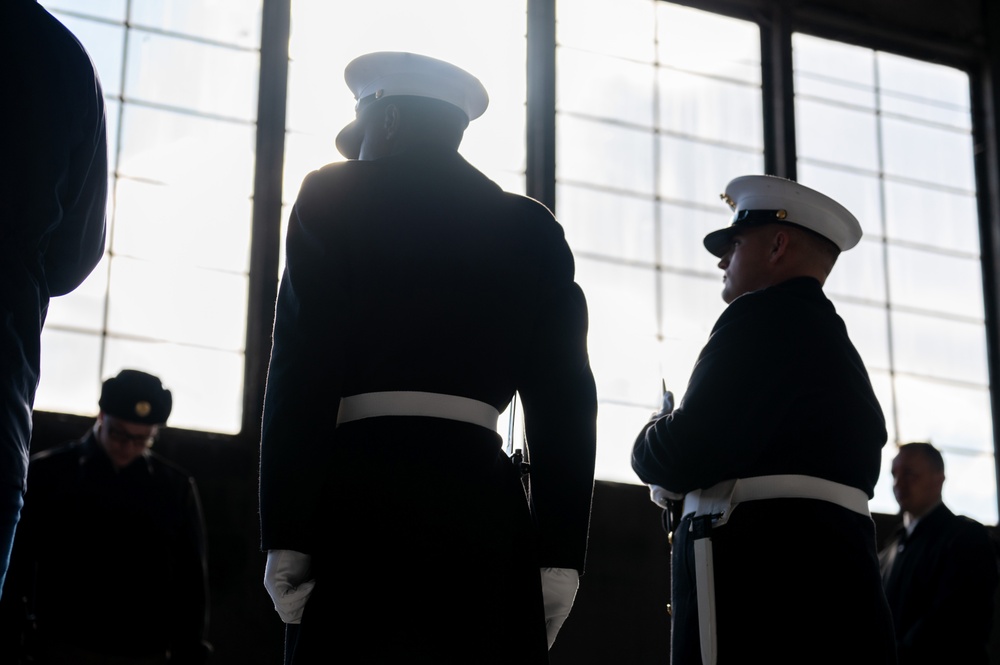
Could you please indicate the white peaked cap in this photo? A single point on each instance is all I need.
(393, 73)
(765, 199)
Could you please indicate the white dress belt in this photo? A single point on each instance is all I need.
(716, 504)
(722, 498)
(415, 403)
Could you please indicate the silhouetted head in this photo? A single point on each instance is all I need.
(406, 100)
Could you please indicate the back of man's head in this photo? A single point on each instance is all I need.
(926, 449)
(425, 122)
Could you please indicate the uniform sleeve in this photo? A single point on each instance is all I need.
(54, 201)
(76, 245)
(303, 384)
(726, 415)
(560, 411)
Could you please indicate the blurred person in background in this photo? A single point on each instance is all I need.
(109, 563)
(939, 570)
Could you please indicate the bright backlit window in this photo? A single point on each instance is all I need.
(170, 295)
(658, 106)
(911, 292)
(650, 128)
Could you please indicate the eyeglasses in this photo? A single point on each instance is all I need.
(120, 435)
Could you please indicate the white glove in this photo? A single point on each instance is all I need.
(666, 404)
(660, 496)
(559, 587)
(286, 578)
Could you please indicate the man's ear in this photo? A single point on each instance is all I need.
(779, 245)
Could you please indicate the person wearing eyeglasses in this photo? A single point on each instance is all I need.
(109, 562)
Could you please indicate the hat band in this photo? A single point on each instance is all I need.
(759, 216)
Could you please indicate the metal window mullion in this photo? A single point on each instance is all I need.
(540, 173)
(778, 95)
(985, 90)
(265, 239)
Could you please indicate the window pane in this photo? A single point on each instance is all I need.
(109, 9)
(683, 227)
(897, 150)
(931, 216)
(695, 171)
(971, 482)
(941, 348)
(698, 41)
(606, 155)
(166, 147)
(150, 301)
(822, 59)
(191, 75)
(190, 225)
(820, 129)
(234, 22)
(860, 273)
(624, 29)
(614, 454)
(967, 426)
(70, 366)
(924, 152)
(616, 89)
(622, 299)
(928, 91)
(709, 108)
(605, 224)
(934, 281)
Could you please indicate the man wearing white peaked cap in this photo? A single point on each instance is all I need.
(417, 299)
(769, 460)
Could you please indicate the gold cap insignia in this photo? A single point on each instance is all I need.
(142, 409)
(725, 197)
(781, 214)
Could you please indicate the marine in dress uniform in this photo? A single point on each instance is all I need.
(109, 563)
(939, 571)
(773, 452)
(417, 298)
(53, 193)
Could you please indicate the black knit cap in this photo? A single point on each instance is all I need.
(136, 397)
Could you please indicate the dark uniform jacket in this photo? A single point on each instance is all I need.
(940, 582)
(107, 562)
(778, 389)
(415, 272)
(53, 192)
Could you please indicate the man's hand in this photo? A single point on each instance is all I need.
(667, 404)
(559, 587)
(286, 578)
(660, 496)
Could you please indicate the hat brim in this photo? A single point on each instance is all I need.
(717, 242)
(349, 140)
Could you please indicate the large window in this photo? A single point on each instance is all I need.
(911, 292)
(657, 106)
(650, 128)
(170, 295)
